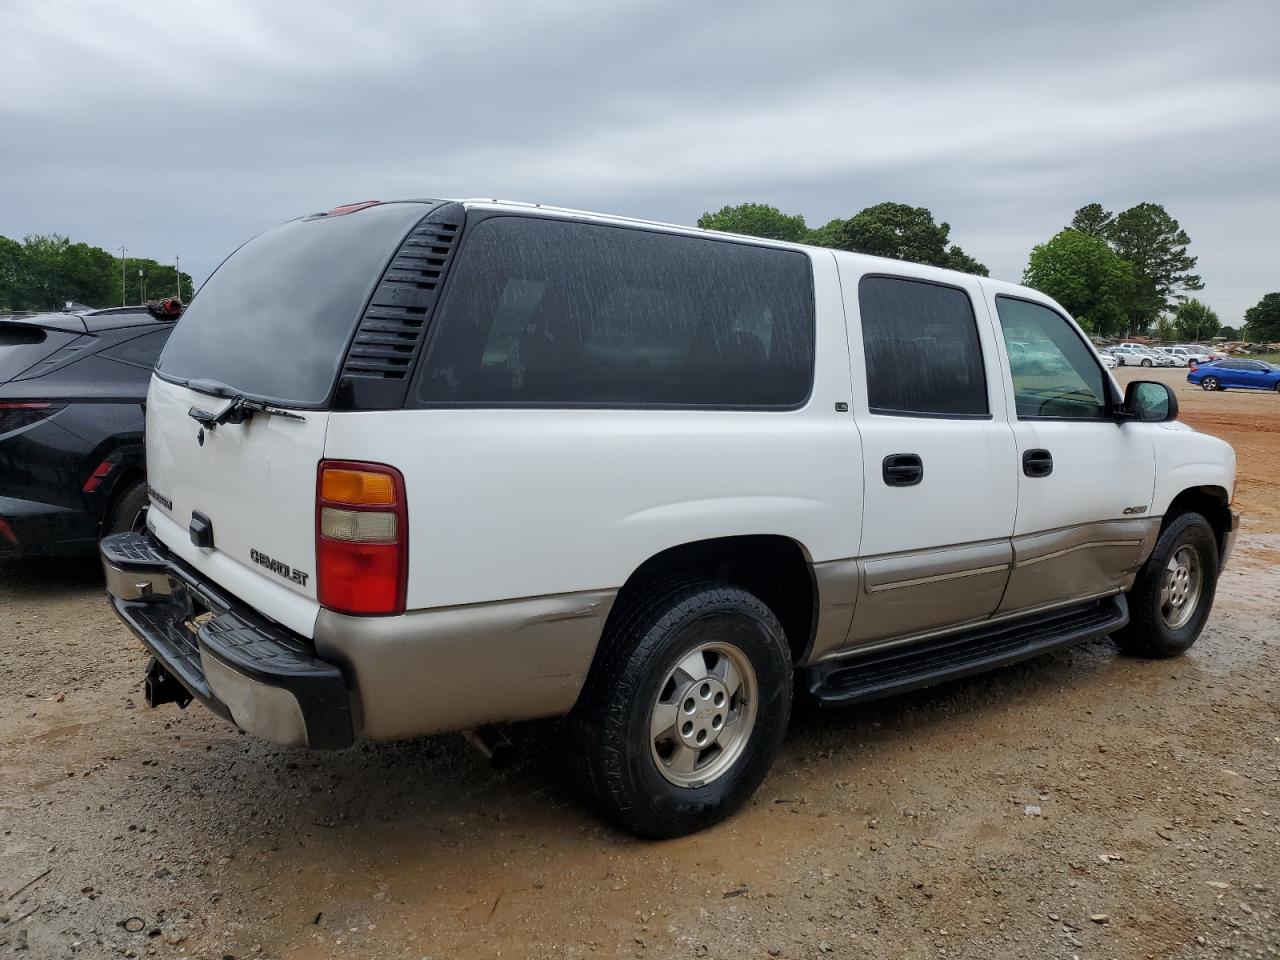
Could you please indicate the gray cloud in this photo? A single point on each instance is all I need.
(188, 127)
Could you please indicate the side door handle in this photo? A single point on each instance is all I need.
(902, 469)
(1037, 463)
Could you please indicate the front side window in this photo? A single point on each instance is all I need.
(921, 347)
(550, 312)
(1054, 372)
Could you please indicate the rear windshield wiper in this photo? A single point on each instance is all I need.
(238, 410)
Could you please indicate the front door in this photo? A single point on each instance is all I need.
(940, 490)
(1085, 478)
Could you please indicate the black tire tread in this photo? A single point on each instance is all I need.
(125, 506)
(595, 730)
(1146, 635)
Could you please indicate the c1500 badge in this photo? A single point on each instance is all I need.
(281, 569)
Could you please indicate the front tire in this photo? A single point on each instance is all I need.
(683, 710)
(1210, 383)
(1173, 594)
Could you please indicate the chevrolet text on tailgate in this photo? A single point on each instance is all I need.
(428, 466)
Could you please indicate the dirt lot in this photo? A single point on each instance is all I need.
(907, 828)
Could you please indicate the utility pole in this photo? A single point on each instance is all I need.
(177, 269)
(142, 290)
(124, 258)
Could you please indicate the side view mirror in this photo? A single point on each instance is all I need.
(1150, 402)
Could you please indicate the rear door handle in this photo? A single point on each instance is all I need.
(1037, 463)
(902, 469)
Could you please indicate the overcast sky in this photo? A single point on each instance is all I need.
(188, 127)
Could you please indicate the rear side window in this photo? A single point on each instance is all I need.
(21, 345)
(555, 312)
(141, 351)
(273, 322)
(922, 352)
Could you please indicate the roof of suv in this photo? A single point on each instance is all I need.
(923, 270)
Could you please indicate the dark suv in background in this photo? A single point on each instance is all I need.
(73, 389)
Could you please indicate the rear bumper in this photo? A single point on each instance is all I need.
(34, 529)
(261, 677)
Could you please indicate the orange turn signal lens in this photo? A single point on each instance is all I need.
(357, 487)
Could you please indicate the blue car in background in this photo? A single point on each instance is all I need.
(1236, 375)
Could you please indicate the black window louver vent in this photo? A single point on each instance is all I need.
(389, 337)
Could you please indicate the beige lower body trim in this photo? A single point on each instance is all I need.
(837, 582)
(454, 668)
(909, 593)
(899, 598)
(1078, 561)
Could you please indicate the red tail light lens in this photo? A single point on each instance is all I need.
(362, 538)
(15, 414)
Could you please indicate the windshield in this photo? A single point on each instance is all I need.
(273, 322)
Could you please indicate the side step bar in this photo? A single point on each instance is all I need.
(857, 679)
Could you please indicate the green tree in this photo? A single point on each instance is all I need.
(1152, 241)
(10, 272)
(158, 280)
(1166, 332)
(1093, 220)
(900, 232)
(1262, 320)
(1083, 274)
(1231, 333)
(1195, 321)
(54, 270)
(827, 235)
(756, 220)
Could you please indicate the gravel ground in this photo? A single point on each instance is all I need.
(1081, 805)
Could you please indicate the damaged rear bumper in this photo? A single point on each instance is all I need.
(260, 676)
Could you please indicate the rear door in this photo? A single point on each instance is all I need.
(939, 486)
(1085, 479)
(272, 324)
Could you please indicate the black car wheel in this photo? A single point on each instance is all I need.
(1173, 594)
(128, 511)
(1209, 383)
(684, 708)
(1146, 362)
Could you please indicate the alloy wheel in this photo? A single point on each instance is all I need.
(704, 714)
(1180, 588)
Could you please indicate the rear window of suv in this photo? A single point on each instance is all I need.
(552, 312)
(273, 322)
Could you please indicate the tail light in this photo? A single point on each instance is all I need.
(362, 538)
(15, 414)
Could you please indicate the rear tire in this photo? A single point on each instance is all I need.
(677, 644)
(1173, 594)
(1210, 383)
(1146, 363)
(128, 511)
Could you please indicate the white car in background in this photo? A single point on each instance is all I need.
(1185, 356)
(1108, 359)
(1138, 355)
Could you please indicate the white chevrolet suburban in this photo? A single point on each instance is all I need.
(428, 466)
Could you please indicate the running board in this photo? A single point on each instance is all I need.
(856, 679)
